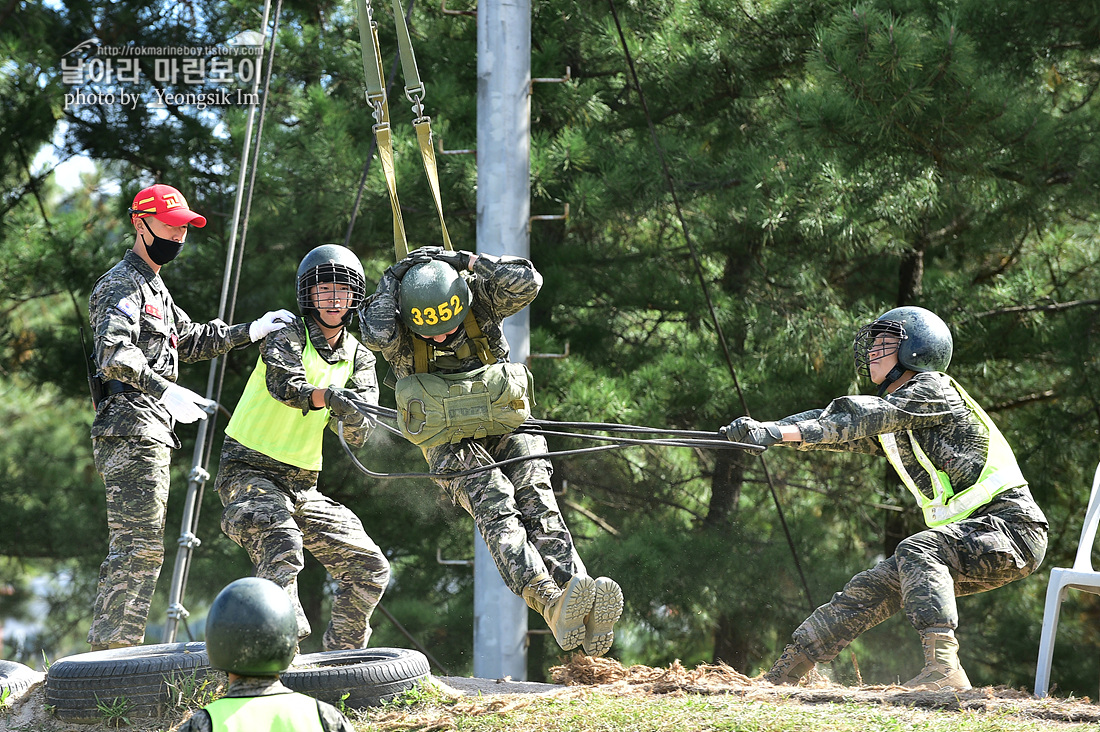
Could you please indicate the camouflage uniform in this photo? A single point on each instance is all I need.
(1003, 541)
(274, 510)
(331, 720)
(140, 335)
(514, 507)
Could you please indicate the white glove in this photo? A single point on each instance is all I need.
(185, 405)
(269, 323)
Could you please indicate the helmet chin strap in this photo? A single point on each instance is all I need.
(344, 321)
(895, 373)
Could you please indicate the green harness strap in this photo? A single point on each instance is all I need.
(376, 97)
(424, 351)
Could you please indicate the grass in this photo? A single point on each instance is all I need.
(591, 710)
(188, 691)
(115, 712)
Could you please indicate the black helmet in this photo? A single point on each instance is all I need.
(252, 629)
(331, 263)
(433, 299)
(924, 340)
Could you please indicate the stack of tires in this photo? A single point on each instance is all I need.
(147, 681)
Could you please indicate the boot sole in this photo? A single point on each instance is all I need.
(576, 599)
(600, 624)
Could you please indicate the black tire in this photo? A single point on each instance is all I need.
(77, 685)
(16, 678)
(368, 676)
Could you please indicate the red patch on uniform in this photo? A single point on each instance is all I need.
(173, 340)
(152, 309)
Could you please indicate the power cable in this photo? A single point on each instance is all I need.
(706, 292)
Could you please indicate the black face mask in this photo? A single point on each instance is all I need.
(161, 251)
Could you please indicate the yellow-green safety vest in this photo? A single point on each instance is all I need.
(275, 712)
(263, 423)
(999, 473)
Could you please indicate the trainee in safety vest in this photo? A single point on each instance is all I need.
(274, 712)
(1000, 472)
(263, 423)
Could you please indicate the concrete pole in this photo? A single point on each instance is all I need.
(503, 212)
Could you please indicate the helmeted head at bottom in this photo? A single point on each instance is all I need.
(252, 629)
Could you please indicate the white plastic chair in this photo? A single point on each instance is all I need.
(1081, 577)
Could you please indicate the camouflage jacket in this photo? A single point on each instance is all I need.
(252, 686)
(948, 432)
(499, 287)
(140, 335)
(286, 377)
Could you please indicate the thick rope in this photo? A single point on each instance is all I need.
(549, 428)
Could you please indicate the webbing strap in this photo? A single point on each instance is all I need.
(376, 97)
(480, 340)
(383, 134)
(414, 88)
(427, 154)
(423, 354)
(372, 62)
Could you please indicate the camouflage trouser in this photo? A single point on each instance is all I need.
(135, 472)
(927, 572)
(514, 507)
(273, 515)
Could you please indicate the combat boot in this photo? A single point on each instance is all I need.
(109, 646)
(941, 662)
(599, 626)
(792, 665)
(563, 610)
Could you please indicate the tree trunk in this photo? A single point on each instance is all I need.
(725, 488)
(730, 644)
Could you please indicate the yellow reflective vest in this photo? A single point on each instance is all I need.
(1000, 472)
(275, 712)
(263, 423)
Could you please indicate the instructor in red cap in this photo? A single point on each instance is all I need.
(140, 336)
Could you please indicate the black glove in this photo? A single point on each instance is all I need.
(748, 430)
(341, 401)
(417, 256)
(460, 260)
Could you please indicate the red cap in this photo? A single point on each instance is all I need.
(166, 204)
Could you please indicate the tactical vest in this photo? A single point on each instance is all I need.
(274, 712)
(438, 408)
(281, 432)
(1000, 472)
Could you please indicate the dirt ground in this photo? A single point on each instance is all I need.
(582, 674)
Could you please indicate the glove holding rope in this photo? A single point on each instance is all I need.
(341, 401)
(748, 430)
